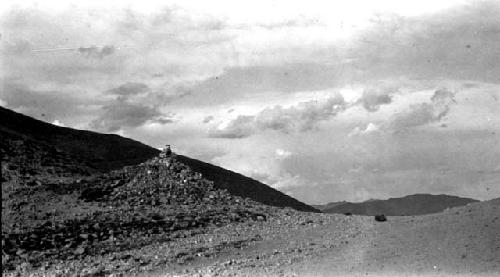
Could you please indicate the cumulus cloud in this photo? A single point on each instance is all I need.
(416, 115)
(443, 97)
(241, 127)
(370, 128)
(424, 113)
(299, 118)
(371, 100)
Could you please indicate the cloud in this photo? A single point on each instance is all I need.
(220, 64)
(163, 120)
(16, 47)
(47, 105)
(443, 97)
(236, 82)
(130, 88)
(241, 127)
(208, 119)
(124, 114)
(424, 113)
(416, 115)
(291, 23)
(456, 43)
(282, 154)
(370, 128)
(299, 118)
(371, 100)
(131, 45)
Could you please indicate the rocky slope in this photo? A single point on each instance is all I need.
(48, 223)
(417, 204)
(91, 152)
(103, 152)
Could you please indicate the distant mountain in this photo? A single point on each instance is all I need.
(32, 147)
(417, 204)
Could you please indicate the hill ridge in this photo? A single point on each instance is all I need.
(414, 204)
(105, 152)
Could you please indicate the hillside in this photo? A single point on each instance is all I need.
(102, 152)
(88, 152)
(49, 221)
(417, 204)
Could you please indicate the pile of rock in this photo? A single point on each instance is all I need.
(155, 201)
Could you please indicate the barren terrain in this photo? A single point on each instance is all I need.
(168, 215)
(459, 242)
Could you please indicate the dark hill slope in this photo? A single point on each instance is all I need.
(243, 186)
(101, 151)
(104, 152)
(416, 204)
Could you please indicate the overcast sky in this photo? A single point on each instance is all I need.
(346, 101)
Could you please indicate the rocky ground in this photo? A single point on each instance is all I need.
(160, 218)
(458, 242)
(52, 222)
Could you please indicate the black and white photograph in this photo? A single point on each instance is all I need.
(233, 138)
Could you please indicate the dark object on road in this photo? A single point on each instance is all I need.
(380, 217)
(348, 214)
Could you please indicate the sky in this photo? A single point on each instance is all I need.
(322, 101)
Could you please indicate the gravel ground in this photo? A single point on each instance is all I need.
(458, 242)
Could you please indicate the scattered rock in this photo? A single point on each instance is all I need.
(380, 218)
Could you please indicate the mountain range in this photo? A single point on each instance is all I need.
(416, 204)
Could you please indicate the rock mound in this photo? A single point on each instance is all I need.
(156, 201)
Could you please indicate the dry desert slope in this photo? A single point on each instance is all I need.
(461, 241)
